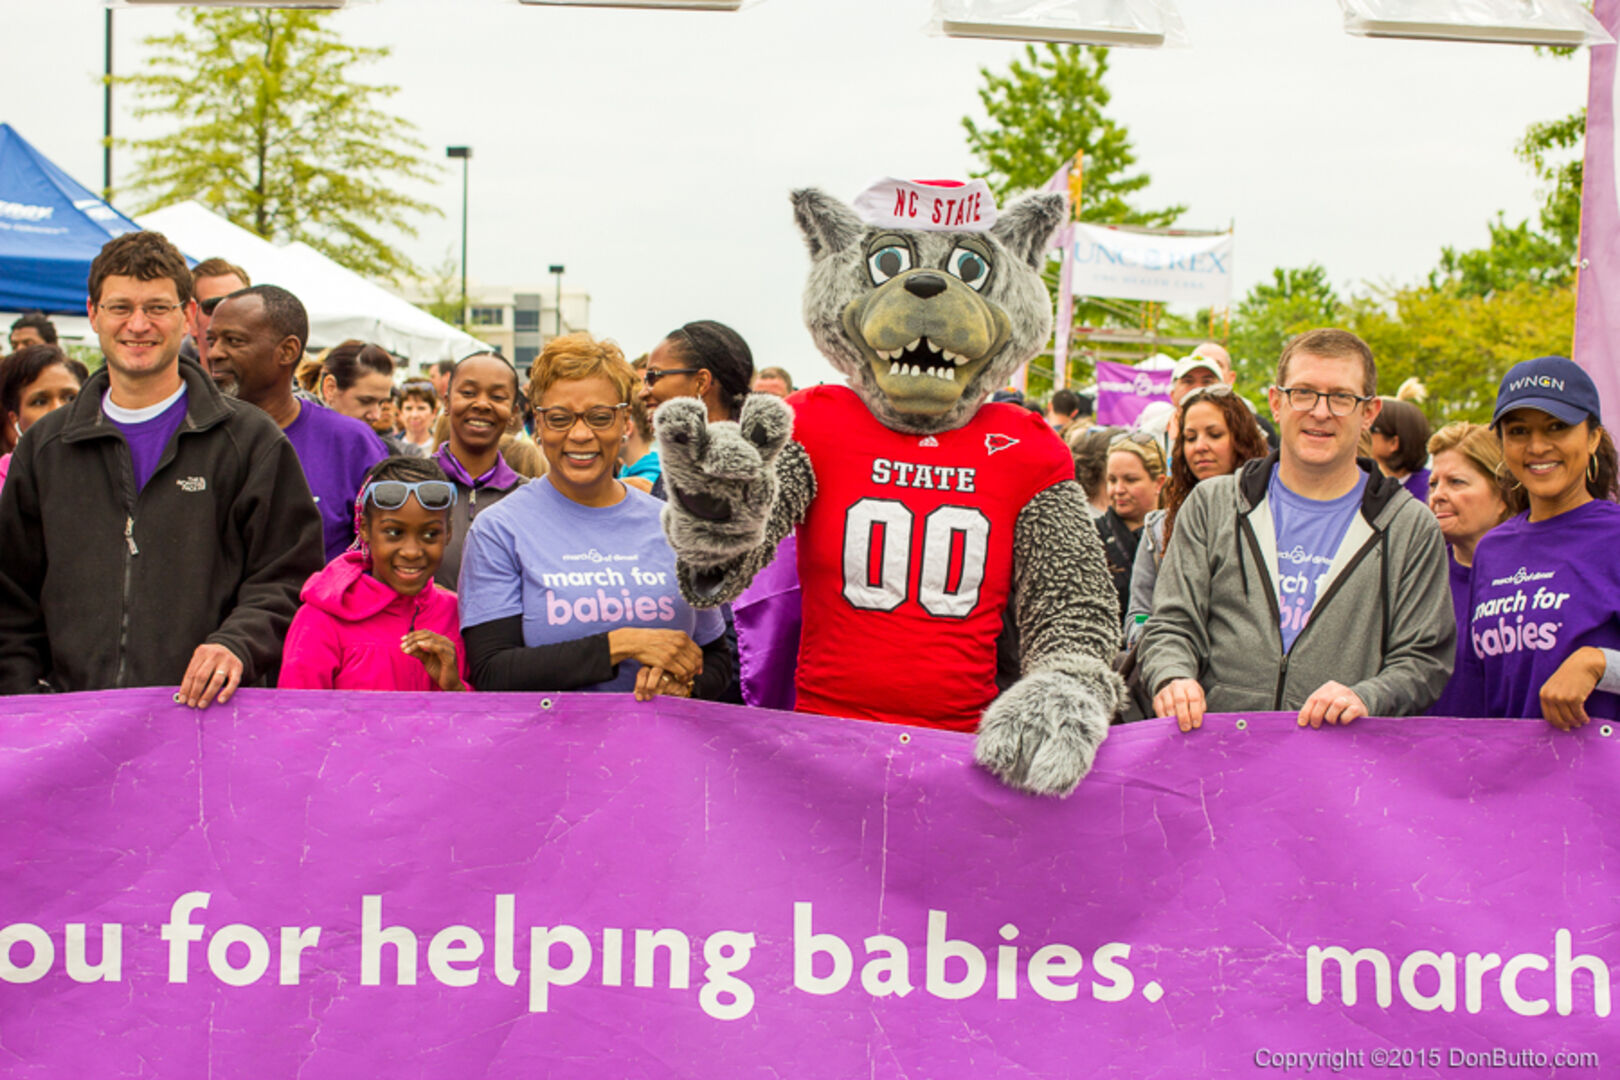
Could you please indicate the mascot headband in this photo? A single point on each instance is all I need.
(929, 205)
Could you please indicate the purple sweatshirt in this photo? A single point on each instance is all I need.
(1464, 695)
(1540, 591)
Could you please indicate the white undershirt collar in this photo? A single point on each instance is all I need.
(138, 416)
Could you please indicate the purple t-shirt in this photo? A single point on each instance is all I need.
(1417, 485)
(336, 451)
(573, 571)
(1464, 695)
(1309, 532)
(148, 437)
(1540, 591)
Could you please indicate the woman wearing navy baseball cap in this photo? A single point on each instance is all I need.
(1545, 603)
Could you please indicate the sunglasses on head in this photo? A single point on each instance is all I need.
(391, 494)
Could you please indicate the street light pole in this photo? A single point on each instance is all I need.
(557, 269)
(465, 154)
(106, 121)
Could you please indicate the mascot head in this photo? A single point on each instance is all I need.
(925, 296)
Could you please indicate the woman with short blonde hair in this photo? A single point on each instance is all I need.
(568, 583)
(1469, 498)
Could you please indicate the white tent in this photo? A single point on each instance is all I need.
(341, 303)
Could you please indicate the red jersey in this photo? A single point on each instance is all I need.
(905, 556)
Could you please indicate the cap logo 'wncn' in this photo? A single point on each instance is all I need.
(1546, 382)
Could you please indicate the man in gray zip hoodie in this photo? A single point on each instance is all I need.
(1307, 581)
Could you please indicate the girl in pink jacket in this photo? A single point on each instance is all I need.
(373, 619)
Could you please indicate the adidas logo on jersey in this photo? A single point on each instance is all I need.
(927, 440)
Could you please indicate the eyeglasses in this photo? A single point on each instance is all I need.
(155, 310)
(1340, 402)
(652, 375)
(597, 417)
(1216, 390)
(207, 306)
(391, 494)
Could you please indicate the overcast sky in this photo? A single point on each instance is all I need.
(653, 152)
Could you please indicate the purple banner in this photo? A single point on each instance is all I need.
(1597, 293)
(1123, 391)
(336, 885)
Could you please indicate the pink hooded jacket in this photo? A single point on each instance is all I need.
(346, 635)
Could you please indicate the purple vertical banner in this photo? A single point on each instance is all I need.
(481, 887)
(1123, 391)
(1597, 302)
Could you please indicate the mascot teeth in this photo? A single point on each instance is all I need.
(931, 346)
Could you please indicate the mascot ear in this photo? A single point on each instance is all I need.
(1027, 227)
(828, 225)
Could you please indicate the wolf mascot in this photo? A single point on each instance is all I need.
(922, 513)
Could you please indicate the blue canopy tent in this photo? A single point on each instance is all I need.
(51, 226)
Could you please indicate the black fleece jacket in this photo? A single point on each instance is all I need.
(102, 586)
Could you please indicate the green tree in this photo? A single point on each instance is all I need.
(1047, 106)
(1554, 150)
(1516, 254)
(442, 285)
(273, 135)
(1293, 301)
(1460, 346)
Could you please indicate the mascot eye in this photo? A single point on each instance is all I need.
(886, 262)
(969, 266)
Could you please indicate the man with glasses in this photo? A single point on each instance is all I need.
(154, 533)
(1307, 581)
(211, 281)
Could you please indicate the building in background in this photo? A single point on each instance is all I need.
(517, 321)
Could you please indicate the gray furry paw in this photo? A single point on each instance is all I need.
(1042, 734)
(719, 476)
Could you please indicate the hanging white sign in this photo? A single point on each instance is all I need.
(1195, 270)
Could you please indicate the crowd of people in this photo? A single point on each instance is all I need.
(216, 506)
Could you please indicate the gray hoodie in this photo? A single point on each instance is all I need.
(1382, 624)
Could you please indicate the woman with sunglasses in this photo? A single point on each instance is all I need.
(705, 360)
(1218, 432)
(481, 398)
(710, 361)
(1133, 480)
(1544, 601)
(569, 584)
(374, 619)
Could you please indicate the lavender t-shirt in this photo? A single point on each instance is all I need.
(1309, 532)
(336, 451)
(147, 431)
(573, 571)
(1540, 591)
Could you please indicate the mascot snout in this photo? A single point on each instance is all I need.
(928, 335)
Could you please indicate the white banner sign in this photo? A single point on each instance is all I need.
(1193, 270)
